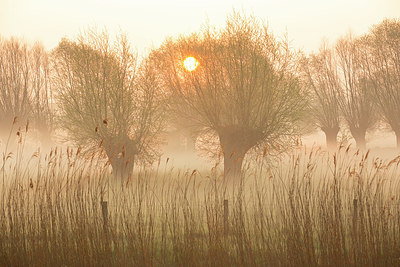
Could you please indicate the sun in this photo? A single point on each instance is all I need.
(190, 63)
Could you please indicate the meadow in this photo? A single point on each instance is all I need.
(307, 208)
(90, 185)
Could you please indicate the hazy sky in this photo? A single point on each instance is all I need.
(149, 22)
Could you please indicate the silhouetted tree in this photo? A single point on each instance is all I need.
(322, 78)
(381, 59)
(245, 89)
(25, 90)
(356, 102)
(42, 95)
(106, 100)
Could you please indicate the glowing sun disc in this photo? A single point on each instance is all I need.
(190, 63)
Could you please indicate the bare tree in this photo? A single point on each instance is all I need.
(106, 101)
(245, 89)
(322, 77)
(356, 102)
(183, 130)
(15, 81)
(42, 111)
(381, 59)
(25, 87)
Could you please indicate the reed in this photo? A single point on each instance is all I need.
(311, 208)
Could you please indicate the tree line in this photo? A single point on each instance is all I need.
(250, 91)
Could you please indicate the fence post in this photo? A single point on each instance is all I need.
(226, 217)
(104, 209)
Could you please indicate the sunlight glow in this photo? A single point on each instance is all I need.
(190, 63)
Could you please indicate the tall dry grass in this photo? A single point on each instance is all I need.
(311, 208)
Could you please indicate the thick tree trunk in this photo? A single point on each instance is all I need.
(359, 136)
(234, 150)
(122, 166)
(235, 141)
(121, 154)
(331, 138)
(233, 160)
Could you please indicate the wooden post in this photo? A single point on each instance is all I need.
(226, 217)
(104, 209)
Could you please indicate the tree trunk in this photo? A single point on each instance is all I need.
(122, 166)
(359, 136)
(235, 141)
(121, 154)
(331, 138)
(233, 160)
(234, 152)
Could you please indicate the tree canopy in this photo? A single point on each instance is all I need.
(106, 100)
(245, 90)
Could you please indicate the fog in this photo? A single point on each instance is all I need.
(149, 23)
(199, 133)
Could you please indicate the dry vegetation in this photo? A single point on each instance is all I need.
(310, 208)
(252, 97)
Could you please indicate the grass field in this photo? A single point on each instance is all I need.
(310, 208)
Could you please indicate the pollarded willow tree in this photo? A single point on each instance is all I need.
(106, 101)
(14, 81)
(245, 89)
(25, 90)
(42, 110)
(322, 78)
(381, 59)
(356, 101)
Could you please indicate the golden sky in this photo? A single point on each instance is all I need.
(149, 22)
